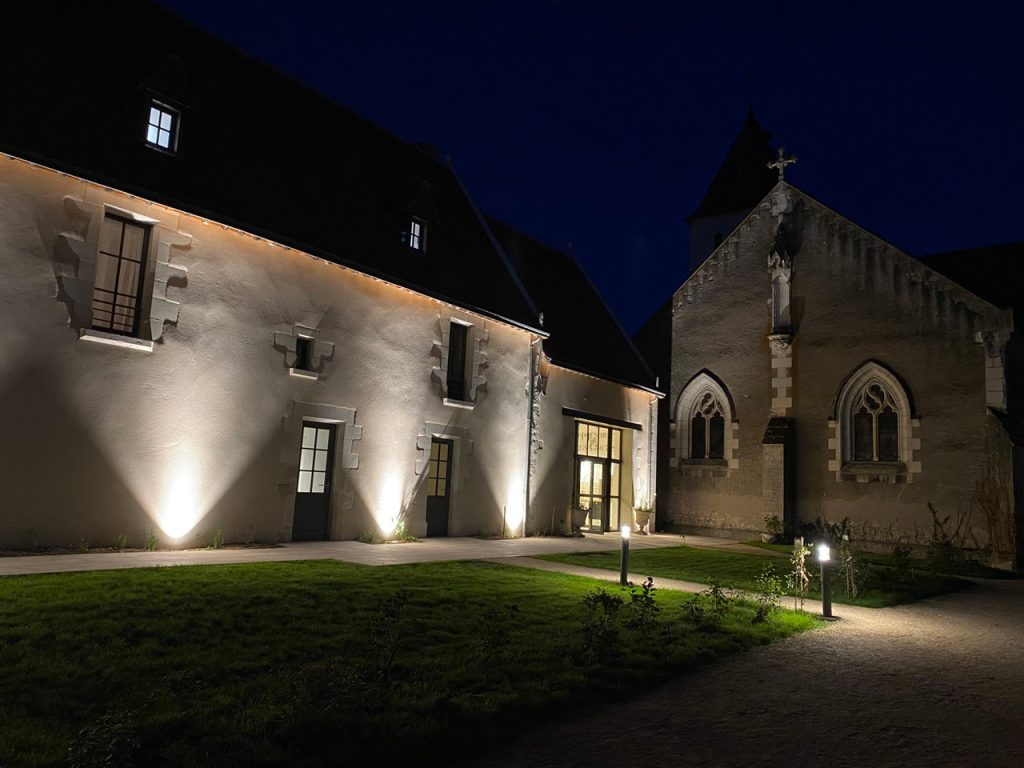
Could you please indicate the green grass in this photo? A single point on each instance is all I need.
(280, 663)
(960, 568)
(879, 586)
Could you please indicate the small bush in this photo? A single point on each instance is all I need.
(643, 606)
(402, 532)
(121, 542)
(600, 626)
(218, 539)
(368, 537)
(151, 542)
(768, 594)
(707, 609)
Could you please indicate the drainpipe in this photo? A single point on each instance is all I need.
(529, 430)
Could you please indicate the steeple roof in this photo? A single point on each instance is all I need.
(744, 177)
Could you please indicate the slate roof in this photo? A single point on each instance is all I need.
(585, 336)
(258, 150)
(995, 272)
(744, 178)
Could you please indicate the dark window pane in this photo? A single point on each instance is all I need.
(302, 354)
(716, 449)
(862, 437)
(697, 431)
(457, 361)
(888, 436)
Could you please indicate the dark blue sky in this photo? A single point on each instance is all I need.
(601, 124)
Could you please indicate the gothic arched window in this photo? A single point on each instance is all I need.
(704, 422)
(874, 416)
(707, 428)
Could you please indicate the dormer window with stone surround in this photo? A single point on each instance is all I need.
(162, 127)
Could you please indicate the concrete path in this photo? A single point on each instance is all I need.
(935, 683)
(427, 550)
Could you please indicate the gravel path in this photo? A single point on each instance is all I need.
(936, 683)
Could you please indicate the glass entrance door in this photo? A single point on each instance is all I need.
(598, 475)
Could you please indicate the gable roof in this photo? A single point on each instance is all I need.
(915, 270)
(744, 177)
(585, 336)
(992, 272)
(258, 151)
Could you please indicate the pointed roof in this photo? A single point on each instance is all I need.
(744, 177)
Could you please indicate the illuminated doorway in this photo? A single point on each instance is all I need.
(598, 475)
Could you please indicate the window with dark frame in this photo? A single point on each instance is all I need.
(162, 128)
(875, 425)
(120, 275)
(303, 353)
(707, 429)
(417, 234)
(457, 337)
(313, 459)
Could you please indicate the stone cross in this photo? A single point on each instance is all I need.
(782, 162)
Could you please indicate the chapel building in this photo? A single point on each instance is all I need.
(818, 372)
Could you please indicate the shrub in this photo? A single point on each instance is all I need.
(769, 593)
(849, 567)
(800, 578)
(218, 539)
(151, 542)
(121, 542)
(707, 609)
(600, 626)
(643, 606)
(368, 537)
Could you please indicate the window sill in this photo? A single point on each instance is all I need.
(703, 463)
(301, 373)
(874, 468)
(464, 404)
(115, 340)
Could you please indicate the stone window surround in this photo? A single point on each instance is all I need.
(679, 456)
(840, 441)
(476, 359)
(320, 350)
(78, 245)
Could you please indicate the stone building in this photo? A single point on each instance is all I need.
(817, 371)
(229, 304)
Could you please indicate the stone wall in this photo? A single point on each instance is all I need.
(193, 427)
(854, 299)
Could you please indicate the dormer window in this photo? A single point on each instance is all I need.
(162, 129)
(418, 235)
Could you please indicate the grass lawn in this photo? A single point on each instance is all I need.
(961, 568)
(316, 663)
(879, 585)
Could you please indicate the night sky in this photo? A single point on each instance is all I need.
(601, 124)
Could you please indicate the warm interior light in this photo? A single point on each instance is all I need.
(626, 530)
(823, 553)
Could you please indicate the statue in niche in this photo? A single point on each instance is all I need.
(780, 266)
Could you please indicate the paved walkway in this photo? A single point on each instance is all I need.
(427, 550)
(935, 683)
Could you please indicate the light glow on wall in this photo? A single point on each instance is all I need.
(180, 510)
(389, 510)
(514, 506)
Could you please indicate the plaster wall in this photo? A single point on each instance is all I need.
(554, 445)
(854, 299)
(199, 433)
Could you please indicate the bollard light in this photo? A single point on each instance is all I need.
(624, 570)
(826, 586)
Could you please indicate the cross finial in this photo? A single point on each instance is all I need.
(782, 162)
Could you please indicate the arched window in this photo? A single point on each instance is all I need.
(704, 421)
(707, 428)
(874, 417)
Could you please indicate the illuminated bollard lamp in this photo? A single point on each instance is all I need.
(826, 585)
(624, 565)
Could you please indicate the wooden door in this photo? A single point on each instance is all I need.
(313, 494)
(439, 486)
